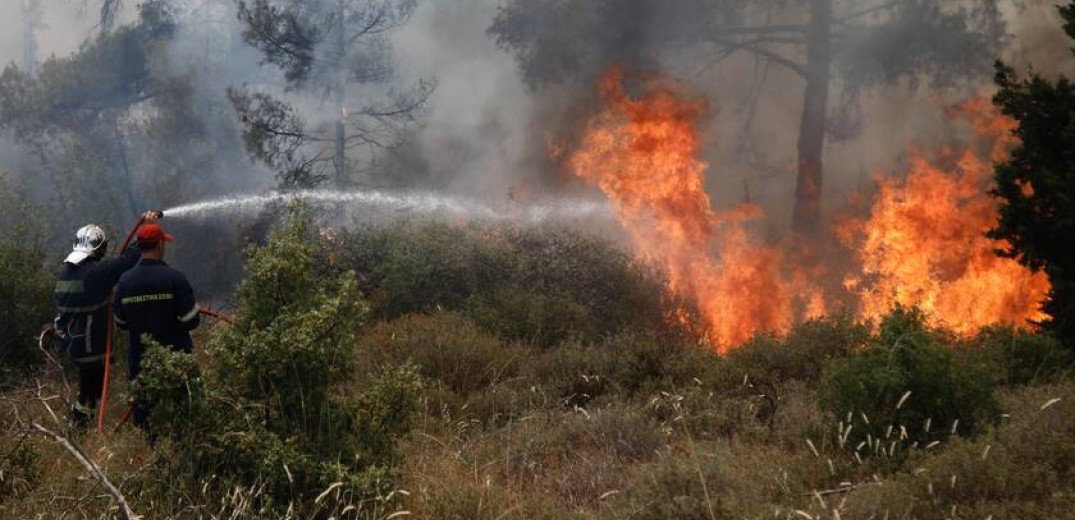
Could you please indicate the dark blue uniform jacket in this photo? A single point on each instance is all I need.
(157, 300)
(81, 296)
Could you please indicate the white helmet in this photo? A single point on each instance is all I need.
(90, 240)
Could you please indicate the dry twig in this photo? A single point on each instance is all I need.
(93, 468)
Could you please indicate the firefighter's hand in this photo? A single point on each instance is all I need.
(151, 216)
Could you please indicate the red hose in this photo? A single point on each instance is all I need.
(108, 341)
(230, 320)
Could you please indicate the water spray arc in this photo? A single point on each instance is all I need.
(420, 202)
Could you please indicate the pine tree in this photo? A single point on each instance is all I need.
(324, 47)
(1036, 186)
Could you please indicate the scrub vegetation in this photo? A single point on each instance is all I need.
(444, 370)
(348, 389)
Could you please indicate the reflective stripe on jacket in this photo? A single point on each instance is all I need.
(81, 296)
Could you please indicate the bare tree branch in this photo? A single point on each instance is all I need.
(765, 53)
(868, 11)
(765, 29)
(91, 467)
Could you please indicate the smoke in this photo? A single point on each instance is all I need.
(487, 130)
(62, 28)
(479, 131)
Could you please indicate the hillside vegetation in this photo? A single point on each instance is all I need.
(443, 372)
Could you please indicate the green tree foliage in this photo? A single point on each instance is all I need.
(25, 285)
(72, 113)
(1036, 186)
(538, 285)
(908, 386)
(122, 123)
(270, 408)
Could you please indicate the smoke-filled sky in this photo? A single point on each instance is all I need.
(484, 127)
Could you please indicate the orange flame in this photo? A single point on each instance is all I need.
(643, 154)
(924, 241)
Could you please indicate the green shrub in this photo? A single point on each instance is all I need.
(472, 374)
(25, 286)
(626, 366)
(799, 355)
(172, 391)
(273, 412)
(1021, 470)
(908, 385)
(719, 481)
(19, 469)
(446, 347)
(540, 285)
(1022, 357)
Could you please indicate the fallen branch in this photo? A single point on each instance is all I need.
(94, 470)
(842, 489)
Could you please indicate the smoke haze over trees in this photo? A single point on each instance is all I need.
(165, 129)
(327, 47)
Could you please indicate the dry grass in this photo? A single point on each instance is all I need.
(683, 440)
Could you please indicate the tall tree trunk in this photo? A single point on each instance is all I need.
(807, 214)
(32, 12)
(128, 179)
(340, 133)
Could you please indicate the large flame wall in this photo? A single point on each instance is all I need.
(921, 243)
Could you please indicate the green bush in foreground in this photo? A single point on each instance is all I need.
(907, 386)
(270, 411)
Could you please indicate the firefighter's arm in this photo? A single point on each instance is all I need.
(189, 317)
(115, 267)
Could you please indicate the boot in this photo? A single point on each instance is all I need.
(79, 418)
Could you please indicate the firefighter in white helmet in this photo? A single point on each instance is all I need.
(82, 291)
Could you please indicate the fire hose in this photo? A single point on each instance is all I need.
(110, 333)
(110, 328)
